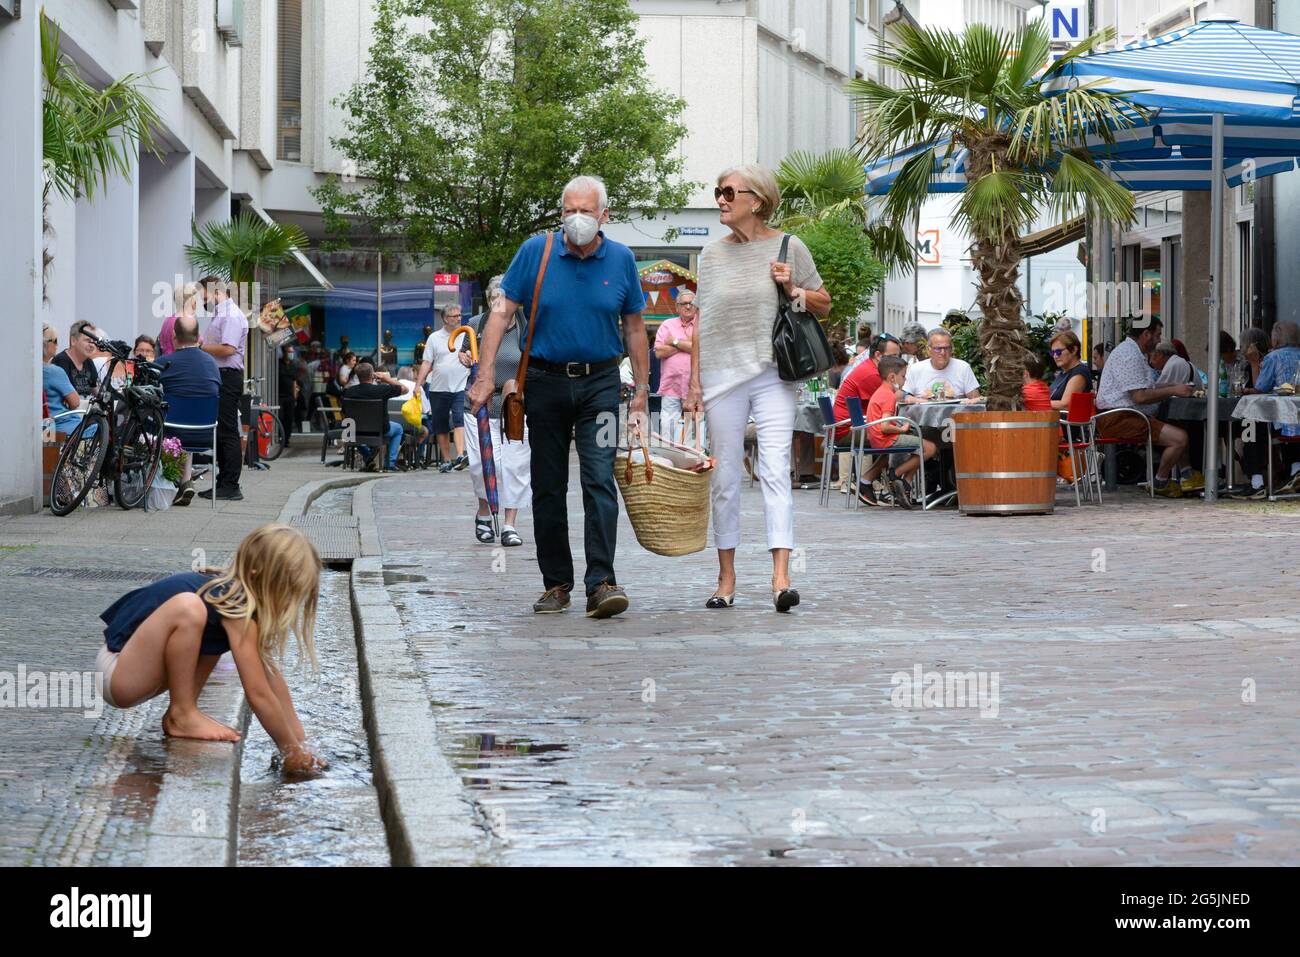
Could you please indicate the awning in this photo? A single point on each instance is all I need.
(1054, 237)
(303, 261)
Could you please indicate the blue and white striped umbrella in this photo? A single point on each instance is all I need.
(1216, 66)
(1157, 166)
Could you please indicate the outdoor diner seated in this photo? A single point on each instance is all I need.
(1171, 368)
(942, 376)
(1036, 396)
(190, 373)
(1072, 374)
(1130, 383)
(78, 359)
(61, 398)
(1279, 367)
(862, 379)
(898, 467)
(365, 387)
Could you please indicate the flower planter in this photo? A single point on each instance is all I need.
(1006, 462)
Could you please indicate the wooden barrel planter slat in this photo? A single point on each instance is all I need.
(1006, 462)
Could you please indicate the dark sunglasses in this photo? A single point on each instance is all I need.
(729, 193)
(1057, 352)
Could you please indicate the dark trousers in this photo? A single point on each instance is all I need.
(228, 458)
(557, 407)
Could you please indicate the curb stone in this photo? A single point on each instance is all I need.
(195, 821)
(429, 819)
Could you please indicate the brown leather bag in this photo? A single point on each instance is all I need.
(512, 403)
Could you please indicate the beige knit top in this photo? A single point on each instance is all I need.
(737, 301)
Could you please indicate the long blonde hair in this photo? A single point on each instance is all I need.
(273, 579)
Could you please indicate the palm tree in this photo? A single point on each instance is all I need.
(815, 186)
(980, 90)
(90, 135)
(236, 248)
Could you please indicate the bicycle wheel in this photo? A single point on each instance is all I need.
(80, 460)
(138, 455)
(270, 434)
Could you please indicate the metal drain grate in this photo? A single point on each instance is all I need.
(89, 574)
(335, 536)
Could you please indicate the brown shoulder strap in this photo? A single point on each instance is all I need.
(532, 315)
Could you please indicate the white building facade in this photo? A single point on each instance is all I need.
(761, 79)
(242, 89)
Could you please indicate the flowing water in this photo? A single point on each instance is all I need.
(332, 818)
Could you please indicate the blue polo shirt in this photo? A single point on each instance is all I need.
(579, 318)
(190, 373)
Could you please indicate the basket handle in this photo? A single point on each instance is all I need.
(695, 423)
(645, 452)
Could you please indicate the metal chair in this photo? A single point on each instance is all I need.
(830, 448)
(327, 415)
(1098, 440)
(859, 447)
(369, 419)
(1080, 414)
(191, 419)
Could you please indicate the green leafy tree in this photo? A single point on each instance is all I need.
(980, 90)
(844, 261)
(468, 126)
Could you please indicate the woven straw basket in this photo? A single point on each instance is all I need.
(668, 507)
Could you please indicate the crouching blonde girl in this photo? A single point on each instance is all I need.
(168, 636)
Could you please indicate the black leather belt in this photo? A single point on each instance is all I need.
(574, 370)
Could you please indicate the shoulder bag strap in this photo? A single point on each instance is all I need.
(532, 315)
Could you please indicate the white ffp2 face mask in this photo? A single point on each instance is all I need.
(580, 228)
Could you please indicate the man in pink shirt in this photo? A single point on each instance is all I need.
(673, 349)
(224, 340)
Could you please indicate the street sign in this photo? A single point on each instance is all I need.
(446, 279)
(927, 248)
(693, 231)
(1067, 21)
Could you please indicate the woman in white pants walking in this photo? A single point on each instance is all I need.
(513, 460)
(734, 375)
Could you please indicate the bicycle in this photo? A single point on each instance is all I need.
(270, 435)
(120, 436)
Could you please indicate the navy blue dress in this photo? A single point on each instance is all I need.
(126, 614)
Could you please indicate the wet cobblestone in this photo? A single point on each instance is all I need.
(1126, 640)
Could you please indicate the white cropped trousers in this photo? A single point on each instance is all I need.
(771, 402)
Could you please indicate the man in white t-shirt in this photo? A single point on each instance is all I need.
(447, 373)
(953, 376)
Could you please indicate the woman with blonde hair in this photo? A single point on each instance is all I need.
(187, 304)
(167, 636)
(734, 374)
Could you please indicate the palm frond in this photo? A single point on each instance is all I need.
(236, 249)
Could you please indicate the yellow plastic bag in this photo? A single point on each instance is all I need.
(413, 411)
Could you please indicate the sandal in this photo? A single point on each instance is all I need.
(483, 530)
(510, 538)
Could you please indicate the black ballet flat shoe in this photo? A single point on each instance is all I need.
(720, 601)
(785, 599)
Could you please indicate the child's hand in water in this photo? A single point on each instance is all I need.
(301, 760)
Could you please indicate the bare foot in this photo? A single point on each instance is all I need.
(198, 725)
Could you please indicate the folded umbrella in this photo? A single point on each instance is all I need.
(484, 428)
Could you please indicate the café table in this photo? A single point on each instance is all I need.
(1179, 408)
(934, 418)
(1266, 408)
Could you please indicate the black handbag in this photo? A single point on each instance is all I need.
(799, 342)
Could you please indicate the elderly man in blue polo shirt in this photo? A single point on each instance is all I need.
(589, 307)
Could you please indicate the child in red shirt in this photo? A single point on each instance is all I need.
(1035, 392)
(892, 435)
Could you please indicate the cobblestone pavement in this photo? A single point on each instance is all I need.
(1145, 708)
(78, 789)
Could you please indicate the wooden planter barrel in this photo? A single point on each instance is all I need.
(1006, 462)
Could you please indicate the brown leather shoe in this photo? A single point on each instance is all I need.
(606, 601)
(554, 601)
